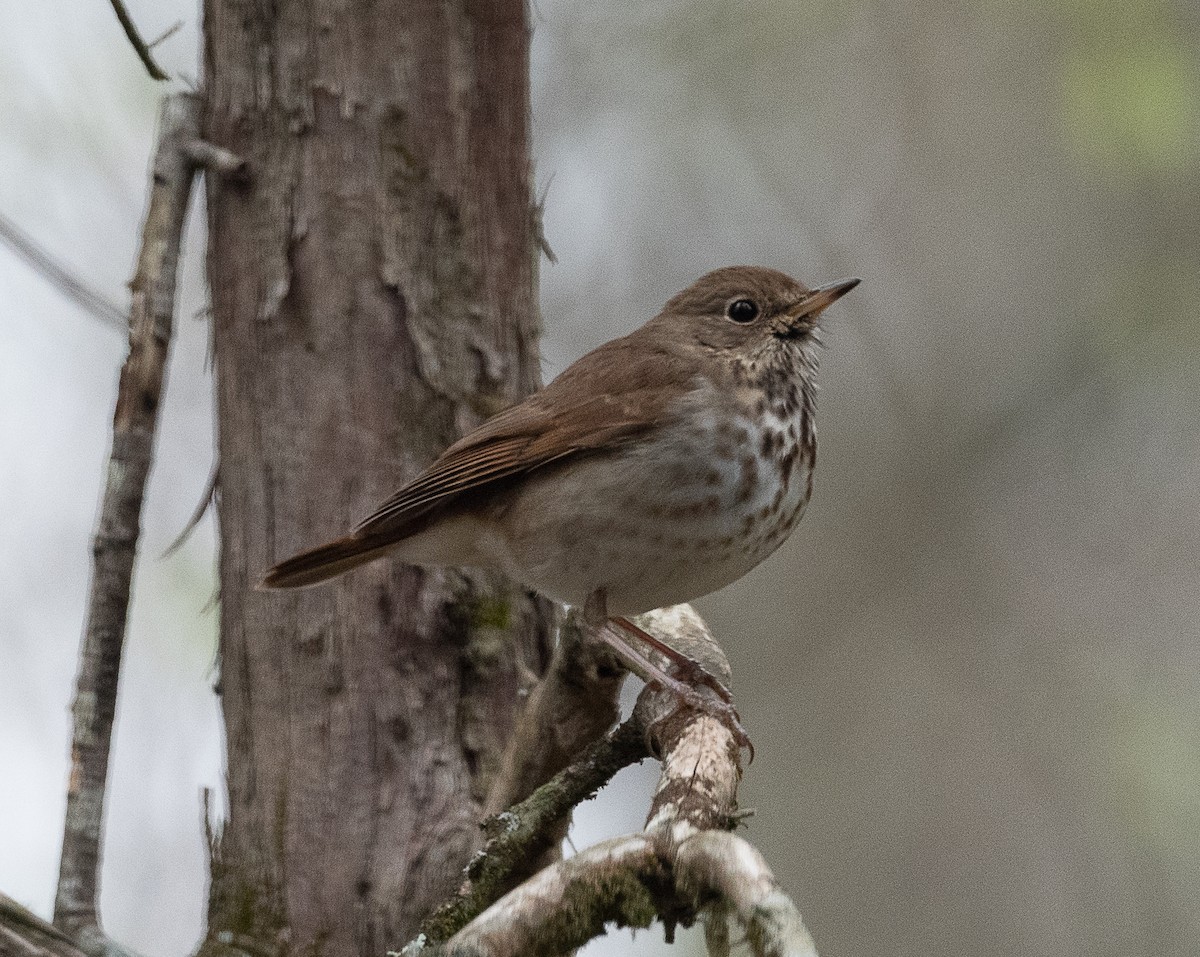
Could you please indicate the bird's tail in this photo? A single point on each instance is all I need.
(325, 561)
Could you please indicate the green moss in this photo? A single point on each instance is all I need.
(615, 896)
(245, 916)
(518, 837)
(618, 895)
(485, 620)
(491, 611)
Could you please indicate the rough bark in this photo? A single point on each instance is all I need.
(373, 297)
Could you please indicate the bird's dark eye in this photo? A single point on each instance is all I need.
(742, 310)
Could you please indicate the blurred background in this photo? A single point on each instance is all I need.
(973, 674)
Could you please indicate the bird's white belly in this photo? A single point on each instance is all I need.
(657, 524)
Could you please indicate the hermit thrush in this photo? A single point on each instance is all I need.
(658, 468)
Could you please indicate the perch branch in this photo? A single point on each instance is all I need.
(683, 866)
(152, 306)
(139, 45)
(570, 709)
(565, 905)
(712, 865)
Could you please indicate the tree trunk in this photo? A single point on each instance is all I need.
(373, 297)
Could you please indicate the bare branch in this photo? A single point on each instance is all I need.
(24, 934)
(115, 543)
(139, 45)
(714, 865)
(566, 905)
(59, 276)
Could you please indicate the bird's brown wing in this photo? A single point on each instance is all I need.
(529, 436)
(603, 400)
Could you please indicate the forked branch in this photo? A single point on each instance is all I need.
(140, 46)
(684, 866)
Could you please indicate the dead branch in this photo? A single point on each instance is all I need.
(23, 933)
(569, 710)
(59, 276)
(114, 546)
(683, 866)
(730, 872)
(139, 45)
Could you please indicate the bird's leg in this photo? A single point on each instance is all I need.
(595, 613)
(689, 668)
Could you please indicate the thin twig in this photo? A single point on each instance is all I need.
(539, 224)
(206, 499)
(114, 546)
(168, 32)
(59, 276)
(139, 45)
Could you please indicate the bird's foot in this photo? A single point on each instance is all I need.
(687, 667)
(687, 674)
(722, 709)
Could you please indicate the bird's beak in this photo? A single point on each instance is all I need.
(821, 298)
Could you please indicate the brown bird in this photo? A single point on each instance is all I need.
(657, 468)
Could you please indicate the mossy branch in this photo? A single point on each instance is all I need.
(518, 837)
(683, 866)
